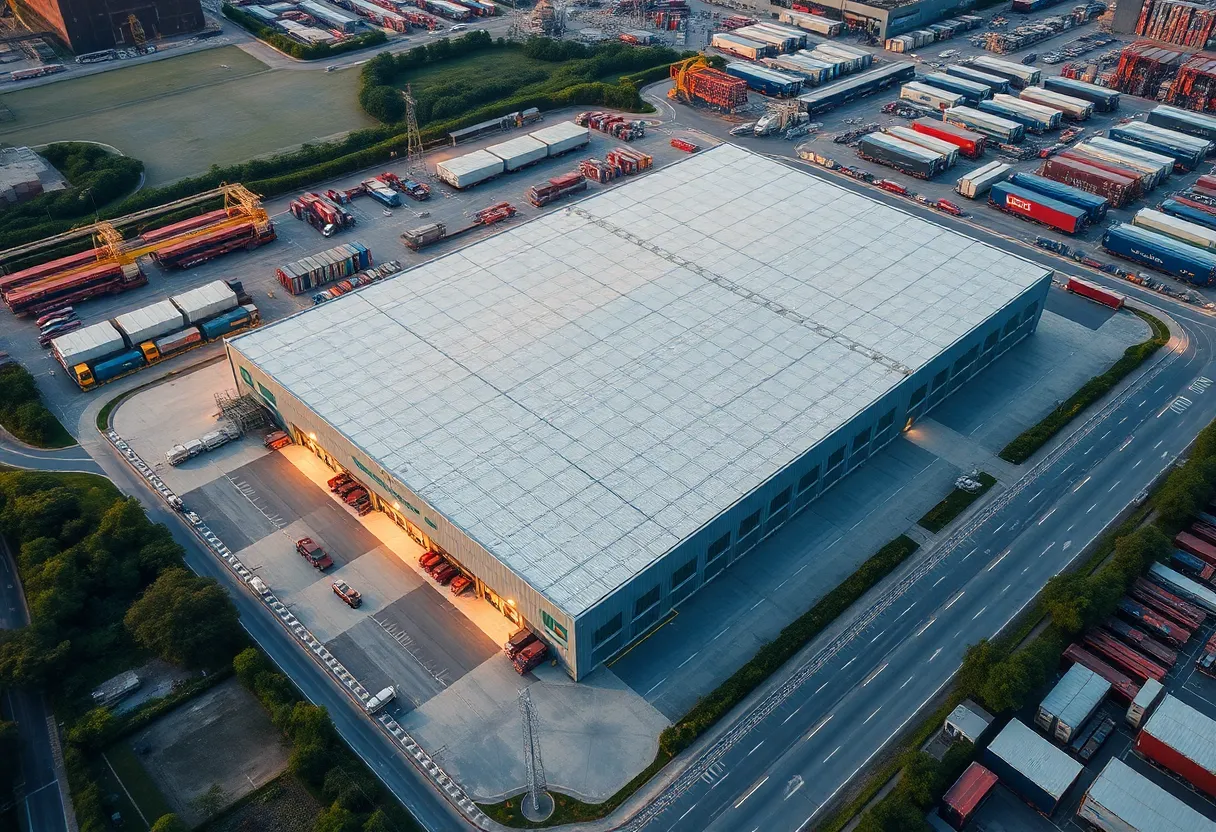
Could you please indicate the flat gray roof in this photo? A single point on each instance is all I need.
(581, 392)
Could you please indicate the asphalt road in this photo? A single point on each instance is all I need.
(41, 809)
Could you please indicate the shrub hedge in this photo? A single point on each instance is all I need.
(1036, 436)
(296, 49)
(956, 502)
(23, 414)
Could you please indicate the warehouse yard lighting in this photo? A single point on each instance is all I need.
(312, 435)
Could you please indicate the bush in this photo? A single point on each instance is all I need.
(185, 619)
(956, 502)
(22, 412)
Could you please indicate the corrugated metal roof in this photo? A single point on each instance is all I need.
(1038, 760)
(970, 789)
(559, 132)
(1196, 592)
(88, 343)
(1075, 696)
(1141, 804)
(970, 720)
(150, 321)
(473, 162)
(583, 391)
(1186, 730)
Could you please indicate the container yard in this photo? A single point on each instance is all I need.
(912, 159)
(833, 95)
(1071, 703)
(929, 96)
(766, 81)
(303, 276)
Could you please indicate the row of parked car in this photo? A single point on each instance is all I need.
(444, 573)
(525, 650)
(352, 492)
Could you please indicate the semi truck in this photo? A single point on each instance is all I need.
(382, 193)
(111, 349)
(431, 233)
(1095, 292)
(1023, 202)
(1162, 253)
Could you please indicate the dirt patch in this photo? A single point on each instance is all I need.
(212, 751)
(282, 806)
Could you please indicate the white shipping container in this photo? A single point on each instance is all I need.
(1179, 229)
(1033, 108)
(977, 183)
(1150, 175)
(1131, 151)
(150, 322)
(1075, 108)
(940, 146)
(798, 35)
(938, 99)
(562, 137)
(1122, 800)
(469, 169)
(1172, 137)
(1071, 702)
(1182, 585)
(519, 152)
(743, 47)
(1144, 702)
(206, 301)
(812, 23)
(88, 344)
(779, 43)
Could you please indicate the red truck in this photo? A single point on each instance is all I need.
(530, 656)
(1095, 292)
(308, 549)
(557, 188)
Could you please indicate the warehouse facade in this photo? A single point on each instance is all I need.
(92, 25)
(595, 412)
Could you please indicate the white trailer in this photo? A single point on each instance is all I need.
(150, 322)
(1076, 109)
(977, 183)
(1123, 800)
(470, 169)
(88, 344)
(563, 137)
(519, 152)
(206, 301)
(934, 97)
(945, 148)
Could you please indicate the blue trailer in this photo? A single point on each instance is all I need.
(766, 81)
(1032, 123)
(968, 73)
(1185, 158)
(1162, 253)
(971, 92)
(1189, 213)
(1104, 100)
(111, 368)
(230, 321)
(1094, 206)
(1200, 125)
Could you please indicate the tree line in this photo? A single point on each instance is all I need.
(23, 414)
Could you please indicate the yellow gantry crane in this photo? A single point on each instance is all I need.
(680, 72)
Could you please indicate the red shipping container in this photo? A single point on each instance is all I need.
(1204, 531)
(1124, 657)
(1101, 164)
(1207, 182)
(967, 795)
(1183, 740)
(1026, 205)
(969, 144)
(1095, 292)
(1198, 206)
(1120, 190)
(153, 235)
(1187, 613)
(1119, 683)
(51, 267)
(1190, 543)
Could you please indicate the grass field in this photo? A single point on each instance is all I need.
(136, 782)
(182, 115)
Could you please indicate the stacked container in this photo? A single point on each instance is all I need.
(1094, 206)
(307, 274)
(940, 146)
(833, 95)
(1071, 703)
(562, 137)
(733, 44)
(1023, 202)
(1154, 166)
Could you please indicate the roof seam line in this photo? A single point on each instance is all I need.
(748, 295)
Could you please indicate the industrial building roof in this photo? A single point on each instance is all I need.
(1035, 758)
(1186, 730)
(1140, 803)
(583, 391)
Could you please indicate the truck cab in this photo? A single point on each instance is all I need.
(84, 376)
(151, 353)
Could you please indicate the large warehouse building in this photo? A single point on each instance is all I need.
(596, 411)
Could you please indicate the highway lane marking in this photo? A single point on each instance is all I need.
(997, 529)
(1164, 454)
(905, 612)
(791, 716)
(874, 675)
(1091, 508)
(1159, 389)
(1043, 519)
(952, 601)
(925, 626)
(800, 568)
(751, 791)
(849, 662)
(981, 612)
(656, 684)
(996, 562)
(1027, 569)
(754, 750)
(877, 637)
(821, 687)
(686, 661)
(833, 754)
(1006, 589)
(794, 790)
(1079, 485)
(871, 716)
(1065, 471)
(1126, 442)
(1143, 403)
(1113, 487)
(822, 723)
(1138, 461)
(935, 653)
(905, 684)
(1103, 436)
(972, 552)
(1158, 445)
(1091, 447)
(1124, 419)
(719, 635)
(758, 603)
(1036, 496)
(686, 811)
(778, 586)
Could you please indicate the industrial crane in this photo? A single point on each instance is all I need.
(680, 73)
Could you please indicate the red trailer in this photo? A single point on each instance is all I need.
(556, 188)
(107, 279)
(969, 144)
(1207, 183)
(1122, 656)
(51, 268)
(1182, 740)
(1095, 292)
(1158, 606)
(1182, 611)
(1204, 531)
(1157, 625)
(1023, 202)
(154, 235)
(967, 795)
(189, 253)
(1198, 206)
(1101, 164)
(1143, 642)
(1119, 683)
(1120, 190)
(1188, 542)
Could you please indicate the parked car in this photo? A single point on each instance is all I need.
(347, 593)
(460, 583)
(313, 553)
(428, 559)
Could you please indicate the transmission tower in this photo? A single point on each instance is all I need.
(415, 163)
(538, 798)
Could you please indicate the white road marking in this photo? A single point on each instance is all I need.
(874, 675)
(752, 790)
(822, 723)
(871, 716)
(686, 811)
(719, 635)
(1138, 461)
(1048, 549)
(656, 684)
(753, 751)
(1065, 471)
(1158, 445)
(686, 661)
(1091, 508)
(1124, 419)
(905, 684)
(849, 662)
(795, 789)
(935, 653)
(1043, 519)
(981, 612)
(877, 637)
(997, 562)
(1036, 496)
(1126, 442)
(925, 626)
(952, 601)
(833, 754)
(1007, 588)
(1078, 488)
(905, 612)
(1027, 569)
(1113, 487)
(997, 529)
(969, 554)
(1091, 447)
(791, 716)
(939, 580)
(1103, 436)
(758, 603)
(821, 687)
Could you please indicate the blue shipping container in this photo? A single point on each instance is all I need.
(1187, 561)
(1189, 214)
(765, 82)
(113, 367)
(967, 73)
(1104, 100)
(972, 92)
(1183, 121)
(1093, 205)
(1032, 123)
(390, 198)
(1162, 253)
(1184, 158)
(221, 325)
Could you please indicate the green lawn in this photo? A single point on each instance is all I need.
(135, 780)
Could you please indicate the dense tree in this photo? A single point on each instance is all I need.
(185, 619)
(10, 763)
(377, 821)
(920, 782)
(383, 103)
(94, 730)
(894, 815)
(336, 819)
(170, 823)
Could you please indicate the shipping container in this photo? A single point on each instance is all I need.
(1071, 703)
(562, 137)
(1142, 641)
(149, 322)
(1160, 160)
(967, 795)
(470, 169)
(1125, 658)
(909, 158)
(1162, 253)
(1171, 137)
(1035, 206)
(1143, 178)
(1019, 75)
(799, 36)
(1190, 211)
(969, 73)
(1174, 607)
(231, 321)
(1168, 631)
(1104, 100)
(811, 23)
(1119, 189)
(814, 72)
(1201, 125)
(1034, 122)
(977, 183)
(1001, 129)
(1199, 595)
(1094, 206)
(1190, 565)
(1180, 229)
(1119, 683)
(169, 345)
(1183, 740)
(336, 263)
(780, 42)
(935, 97)
(764, 80)
(932, 143)
(164, 232)
(833, 95)
(969, 143)
(206, 301)
(1031, 766)
(83, 260)
(740, 46)
(1074, 109)
(972, 92)
(1122, 800)
(1151, 175)
(1095, 292)
(1204, 531)
(1144, 702)
(87, 344)
(1185, 157)
(111, 368)
(519, 152)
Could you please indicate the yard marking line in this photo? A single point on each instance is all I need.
(871, 716)
(1078, 488)
(1043, 519)
(791, 716)
(753, 751)
(833, 754)
(1036, 496)
(135, 805)
(752, 791)
(874, 675)
(981, 612)
(656, 684)
(822, 723)
(935, 654)
(686, 661)
(905, 612)
(997, 562)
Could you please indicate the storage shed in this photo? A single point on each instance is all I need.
(968, 721)
(1031, 766)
